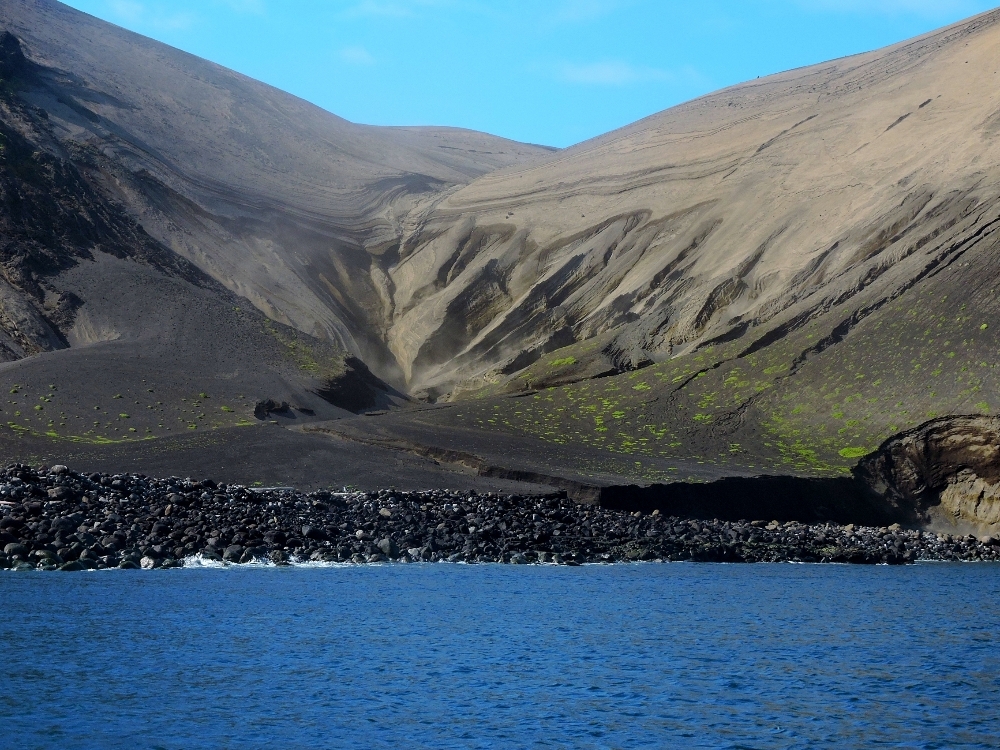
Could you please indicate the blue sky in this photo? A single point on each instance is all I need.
(544, 71)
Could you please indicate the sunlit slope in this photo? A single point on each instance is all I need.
(812, 402)
(709, 221)
(775, 277)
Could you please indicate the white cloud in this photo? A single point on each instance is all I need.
(618, 73)
(357, 55)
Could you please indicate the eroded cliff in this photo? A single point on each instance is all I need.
(944, 474)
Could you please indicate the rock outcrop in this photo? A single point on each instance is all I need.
(12, 60)
(944, 474)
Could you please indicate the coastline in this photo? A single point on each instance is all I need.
(56, 519)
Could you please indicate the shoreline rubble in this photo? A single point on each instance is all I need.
(55, 519)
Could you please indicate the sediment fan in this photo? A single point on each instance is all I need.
(775, 278)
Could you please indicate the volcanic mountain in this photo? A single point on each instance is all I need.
(776, 278)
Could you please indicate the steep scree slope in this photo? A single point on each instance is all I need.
(285, 204)
(109, 335)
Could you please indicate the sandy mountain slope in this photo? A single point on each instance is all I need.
(707, 220)
(285, 204)
(154, 207)
(97, 318)
(776, 278)
(801, 272)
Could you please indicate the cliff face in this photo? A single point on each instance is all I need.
(944, 474)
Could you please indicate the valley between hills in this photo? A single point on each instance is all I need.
(779, 297)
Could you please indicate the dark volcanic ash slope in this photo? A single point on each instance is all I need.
(283, 203)
(156, 209)
(51, 219)
(776, 278)
(111, 335)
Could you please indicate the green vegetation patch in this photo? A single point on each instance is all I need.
(564, 362)
(854, 452)
(306, 356)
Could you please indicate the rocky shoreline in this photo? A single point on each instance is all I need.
(55, 519)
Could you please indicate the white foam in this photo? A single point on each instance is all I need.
(198, 561)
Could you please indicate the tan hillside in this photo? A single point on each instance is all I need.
(707, 219)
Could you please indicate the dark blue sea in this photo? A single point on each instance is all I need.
(490, 656)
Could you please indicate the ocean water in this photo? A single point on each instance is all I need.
(463, 656)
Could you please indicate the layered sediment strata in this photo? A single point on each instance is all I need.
(57, 519)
